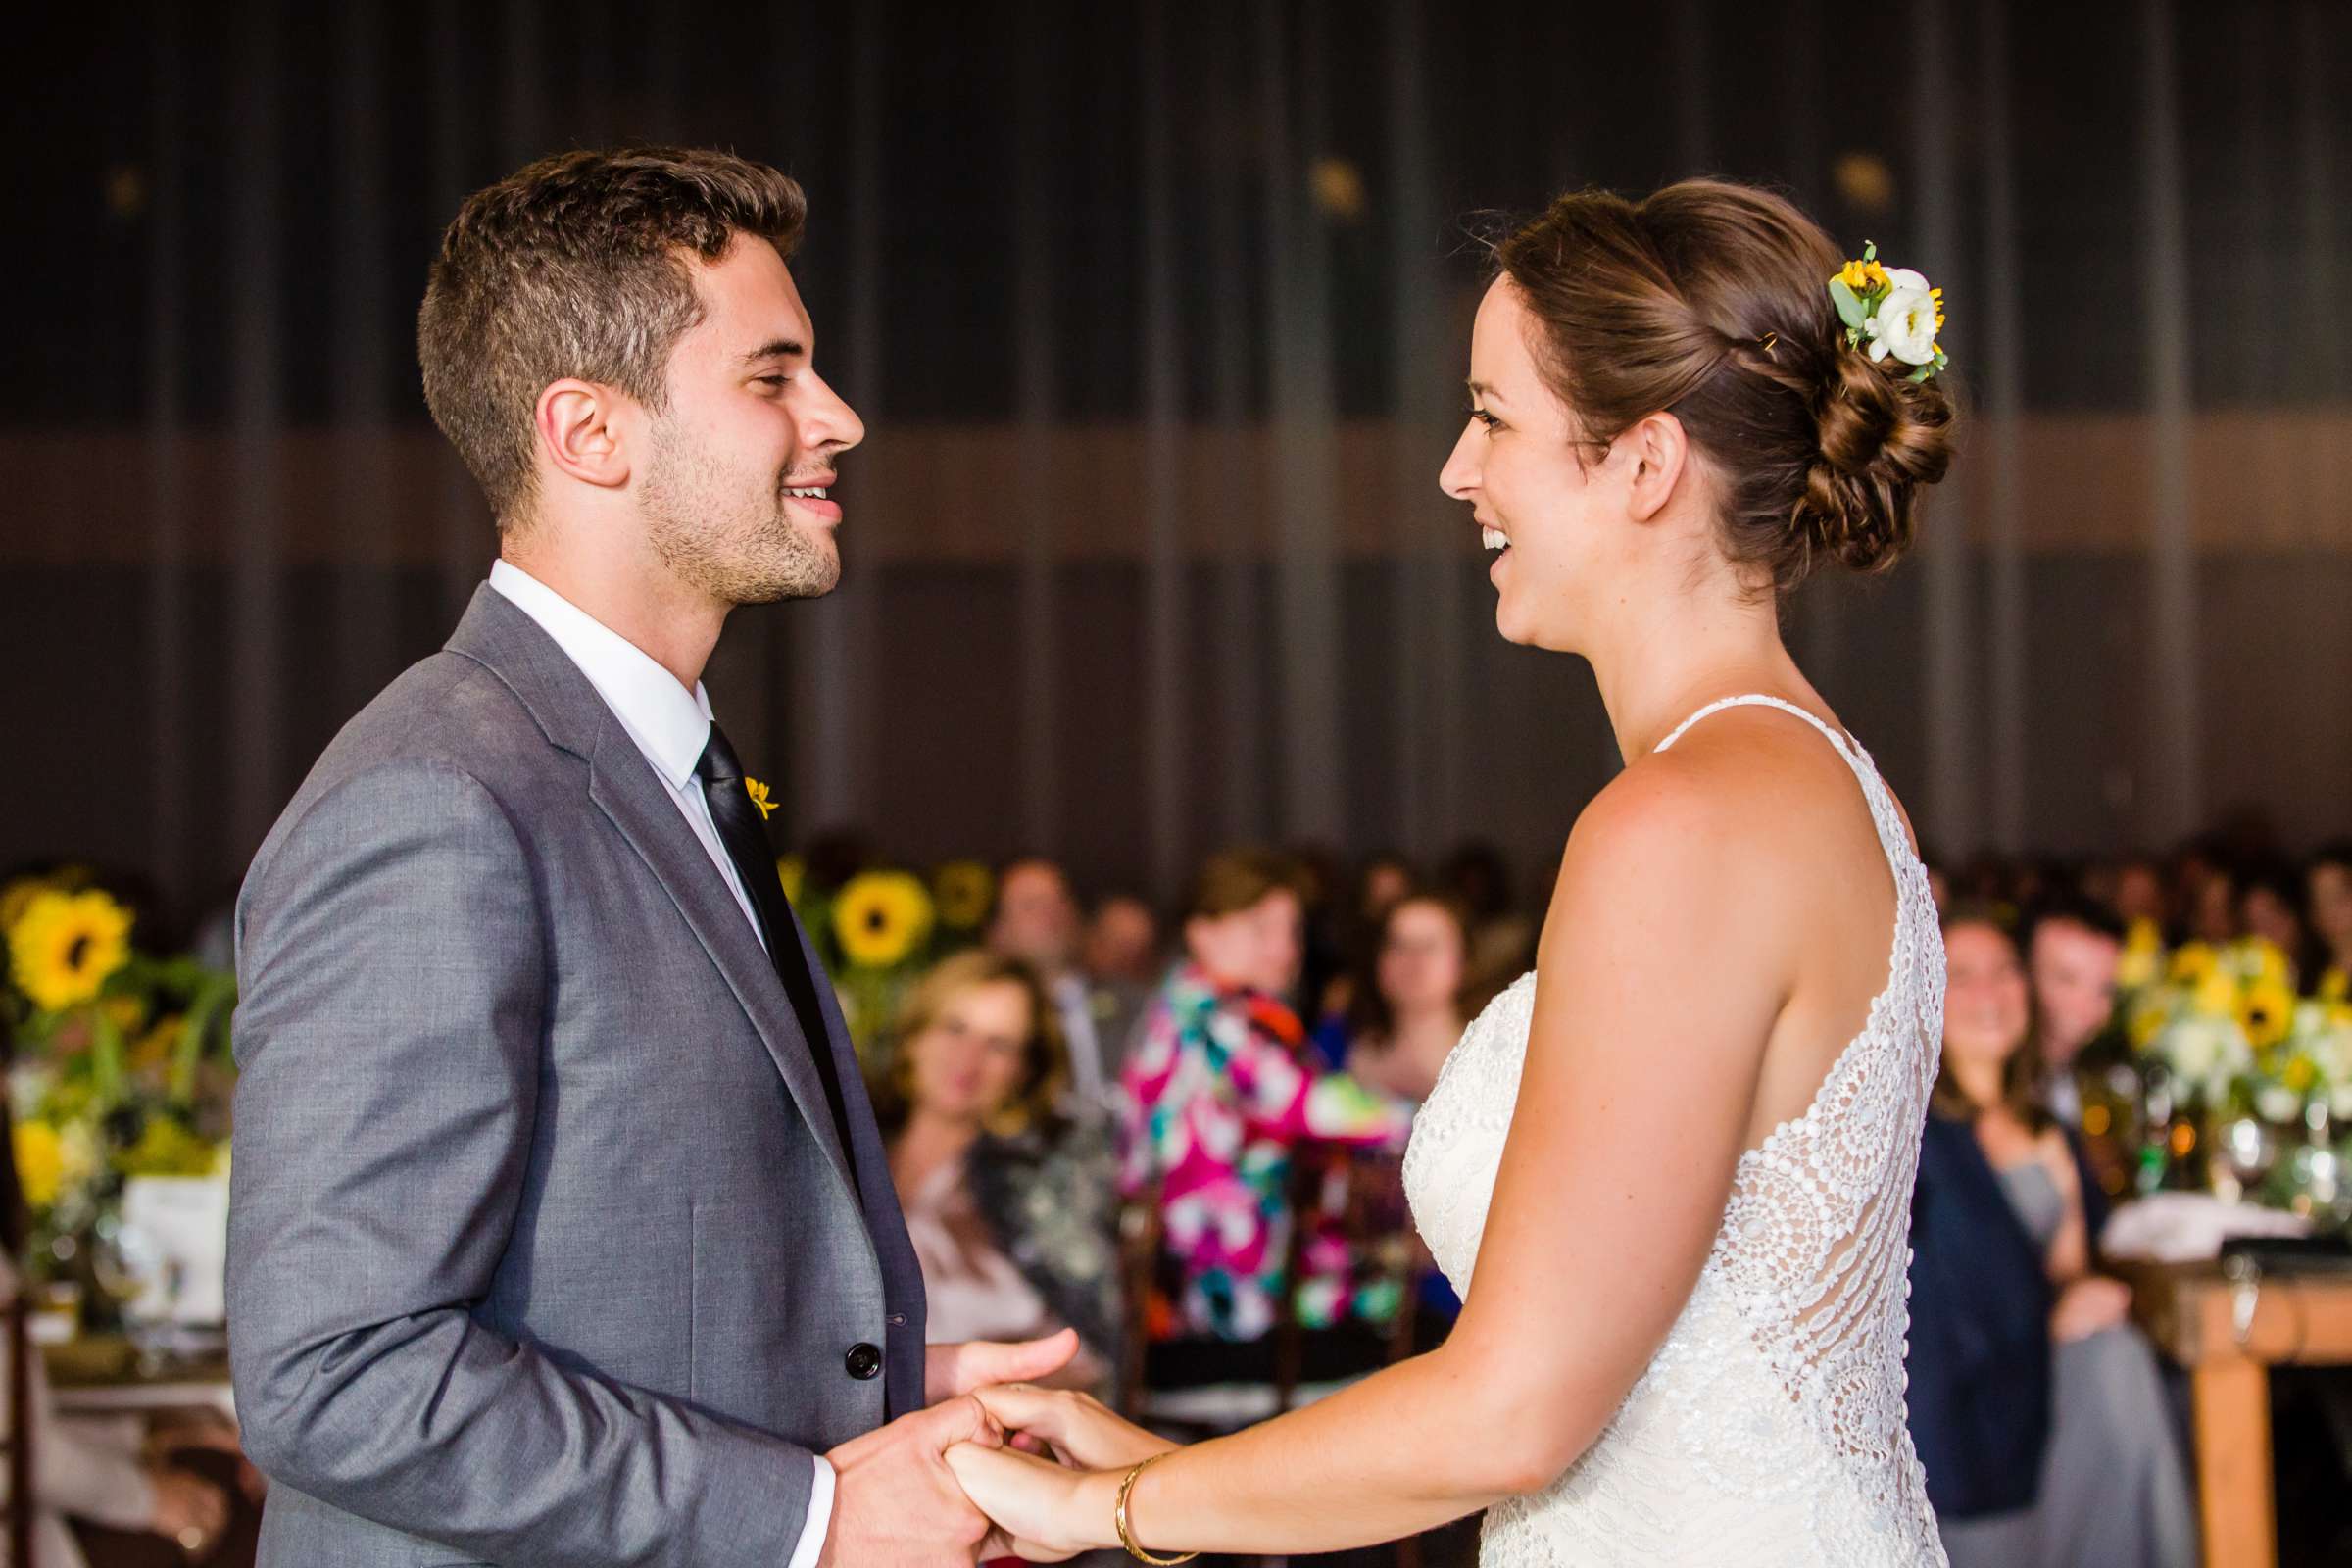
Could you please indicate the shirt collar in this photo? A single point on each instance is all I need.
(670, 723)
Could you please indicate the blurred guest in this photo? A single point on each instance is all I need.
(2073, 951)
(2098, 883)
(1380, 886)
(2327, 889)
(2035, 1406)
(2139, 895)
(1502, 941)
(1037, 922)
(1008, 1205)
(1414, 1008)
(2270, 906)
(1327, 923)
(2209, 895)
(93, 1472)
(1218, 1097)
(1379, 882)
(1122, 942)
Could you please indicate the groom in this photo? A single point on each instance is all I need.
(562, 1233)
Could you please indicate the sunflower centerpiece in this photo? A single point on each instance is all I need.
(877, 934)
(121, 1070)
(2242, 1072)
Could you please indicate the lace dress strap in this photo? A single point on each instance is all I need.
(1892, 837)
(1846, 747)
(1912, 916)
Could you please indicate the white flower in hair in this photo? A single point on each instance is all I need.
(1890, 311)
(1904, 325)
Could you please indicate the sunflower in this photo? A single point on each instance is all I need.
(793, 873)
(2268, 1011)
(2261, 959)
(68, 945)
(2143, 957)
(40, 1162)
(1864, 277)
(2215, 995)
(2192, 962)
(966, 891)
(881, 917)
(16, 897)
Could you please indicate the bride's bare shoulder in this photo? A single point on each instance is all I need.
(1754, 776)
(1752, 804)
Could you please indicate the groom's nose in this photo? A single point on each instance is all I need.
(828, 421)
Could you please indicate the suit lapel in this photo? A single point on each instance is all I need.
(622, 784)
(500, 636)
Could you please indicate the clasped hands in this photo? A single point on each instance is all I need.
(994, 1467)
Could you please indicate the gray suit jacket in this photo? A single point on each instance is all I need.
(543, 1247)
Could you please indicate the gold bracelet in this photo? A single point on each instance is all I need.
(1118, 1518)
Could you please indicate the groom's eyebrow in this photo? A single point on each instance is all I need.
(782, 348)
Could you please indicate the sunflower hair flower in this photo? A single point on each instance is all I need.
(1890, 312)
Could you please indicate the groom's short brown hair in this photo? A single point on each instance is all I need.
(576, 266)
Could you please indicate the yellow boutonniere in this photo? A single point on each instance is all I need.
(759, 798)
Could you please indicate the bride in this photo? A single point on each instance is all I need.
(1670, 1171)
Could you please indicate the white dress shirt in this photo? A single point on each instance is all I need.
(671, 726)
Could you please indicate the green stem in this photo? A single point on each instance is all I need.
(196, 1035)
(106, 1058)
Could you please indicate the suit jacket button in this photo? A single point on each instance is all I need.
(864, 1361)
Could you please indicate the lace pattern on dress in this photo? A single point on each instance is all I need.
(1769, 1429)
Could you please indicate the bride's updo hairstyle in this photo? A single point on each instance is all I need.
(1711, 301)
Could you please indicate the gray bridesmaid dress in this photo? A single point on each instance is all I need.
(2114, 1492)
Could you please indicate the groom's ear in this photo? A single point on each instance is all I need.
(580, 426)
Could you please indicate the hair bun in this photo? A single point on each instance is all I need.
(1881, 438)
(1711, 299)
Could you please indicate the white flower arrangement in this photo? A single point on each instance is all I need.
(1890, 312)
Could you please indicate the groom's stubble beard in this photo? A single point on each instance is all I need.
(732, 539)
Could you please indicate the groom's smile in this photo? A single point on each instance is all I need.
(812, 498)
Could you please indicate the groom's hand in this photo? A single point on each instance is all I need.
(952, 1371)
(896, 1503)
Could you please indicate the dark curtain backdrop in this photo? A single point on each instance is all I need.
(1158, 315)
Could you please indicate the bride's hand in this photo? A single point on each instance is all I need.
(1081, 1430)
(1034, 1507)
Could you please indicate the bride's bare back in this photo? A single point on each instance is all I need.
(1756, 1282)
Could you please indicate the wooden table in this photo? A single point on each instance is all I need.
(100, 1374)
(2229, 1336)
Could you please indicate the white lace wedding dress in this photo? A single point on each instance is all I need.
(1769, 1429)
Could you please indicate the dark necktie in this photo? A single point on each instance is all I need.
(745, 835)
